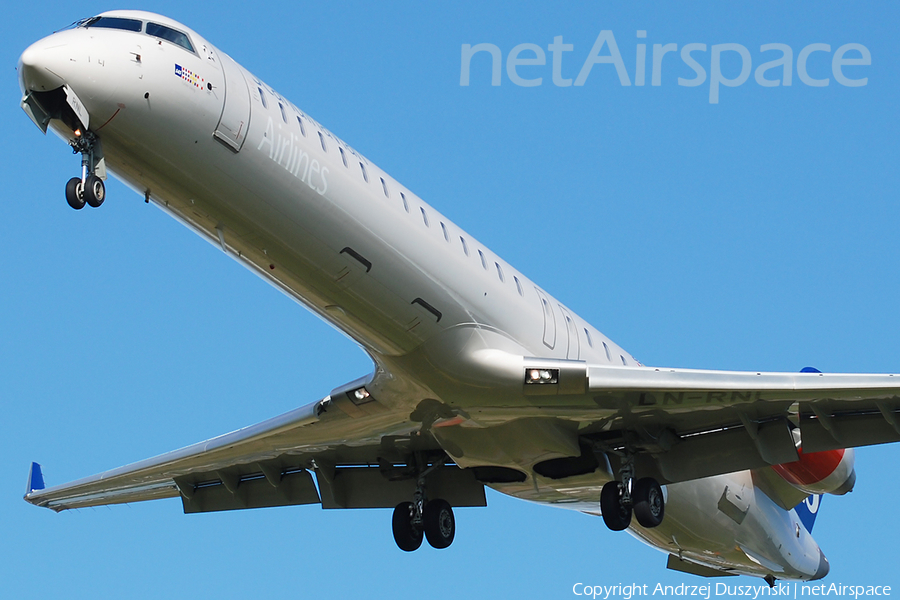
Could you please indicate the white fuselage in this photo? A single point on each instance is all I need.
(227, 155)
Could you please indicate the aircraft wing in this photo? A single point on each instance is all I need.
(272, 464)
(679, 424)
(685, 424)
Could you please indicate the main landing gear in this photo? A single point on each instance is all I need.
(89, 188)
(420, 518)
(642, 498)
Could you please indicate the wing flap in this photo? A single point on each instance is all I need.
(258, 490)
(725, 451)
(366, 487)
(824, 428)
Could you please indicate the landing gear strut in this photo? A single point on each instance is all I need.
(420, 518)
(620, 500)
(89, 188)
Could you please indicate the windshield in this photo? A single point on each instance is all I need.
(170, 35)
(112, 23)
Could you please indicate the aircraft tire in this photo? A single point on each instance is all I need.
(616, 516)
(406, 534)
(94, 191)
(75, 193)
(440, 524)
(649, 502)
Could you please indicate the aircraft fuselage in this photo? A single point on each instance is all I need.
(204, 139)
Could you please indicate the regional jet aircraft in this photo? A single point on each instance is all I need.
(481, 377)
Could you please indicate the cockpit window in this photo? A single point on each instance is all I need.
(170, 35)
(113, 23)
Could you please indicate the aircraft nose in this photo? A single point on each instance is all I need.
(41, 65)
(824, 567)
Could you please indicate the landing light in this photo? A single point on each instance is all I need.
(541, 376)
(360, 396)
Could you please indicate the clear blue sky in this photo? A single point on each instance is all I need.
(757, 233)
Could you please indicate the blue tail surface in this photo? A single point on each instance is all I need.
(808, 509)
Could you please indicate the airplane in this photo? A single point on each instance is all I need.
(481, 377)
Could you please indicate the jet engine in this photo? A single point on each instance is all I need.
(827, 472)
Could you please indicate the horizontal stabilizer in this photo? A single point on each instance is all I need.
(35, 479)
(685, 566)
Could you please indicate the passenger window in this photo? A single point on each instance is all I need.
(322, 140)
(170, 35)
(605, 347)
(283, 114)
(343, 156)
(623, 360)
(405, 203)
(365, 175)
(424, 216)
(587, 334)
(483, 260)
(464, 245)
(262, 97)
(499, 271)
(518, 286)
(444, 229)
(302, 128)
(387, 194)
(114, 23)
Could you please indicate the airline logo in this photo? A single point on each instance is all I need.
(812, 503)
(189, 76)
(808, 509)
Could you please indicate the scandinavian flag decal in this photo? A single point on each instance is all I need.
(189, 76)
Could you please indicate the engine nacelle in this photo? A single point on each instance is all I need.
(827, 472)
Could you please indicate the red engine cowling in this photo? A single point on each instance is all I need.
(828, 472)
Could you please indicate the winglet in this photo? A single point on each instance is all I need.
(35, 479)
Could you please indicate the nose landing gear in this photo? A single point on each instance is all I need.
(89, 188)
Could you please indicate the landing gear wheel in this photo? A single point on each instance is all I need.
(616, 515)
(407, 535)
(649, 503)
(94, 191)
(440, 525)
(75, 193)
